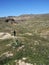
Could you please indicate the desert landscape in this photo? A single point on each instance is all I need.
(30, 45)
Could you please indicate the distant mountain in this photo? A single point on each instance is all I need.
(25, 17)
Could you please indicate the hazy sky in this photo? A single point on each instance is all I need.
(18, 7)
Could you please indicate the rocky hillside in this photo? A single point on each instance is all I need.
(27, 17)
(30, 46)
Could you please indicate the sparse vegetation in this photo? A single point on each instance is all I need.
(31, 40)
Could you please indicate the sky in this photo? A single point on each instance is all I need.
(20, 7)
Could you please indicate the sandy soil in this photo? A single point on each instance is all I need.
(4, 35)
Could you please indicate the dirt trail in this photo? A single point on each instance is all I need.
(4, 35)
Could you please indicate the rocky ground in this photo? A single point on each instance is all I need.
(30, 46)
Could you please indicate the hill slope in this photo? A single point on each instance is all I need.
(31, 43)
